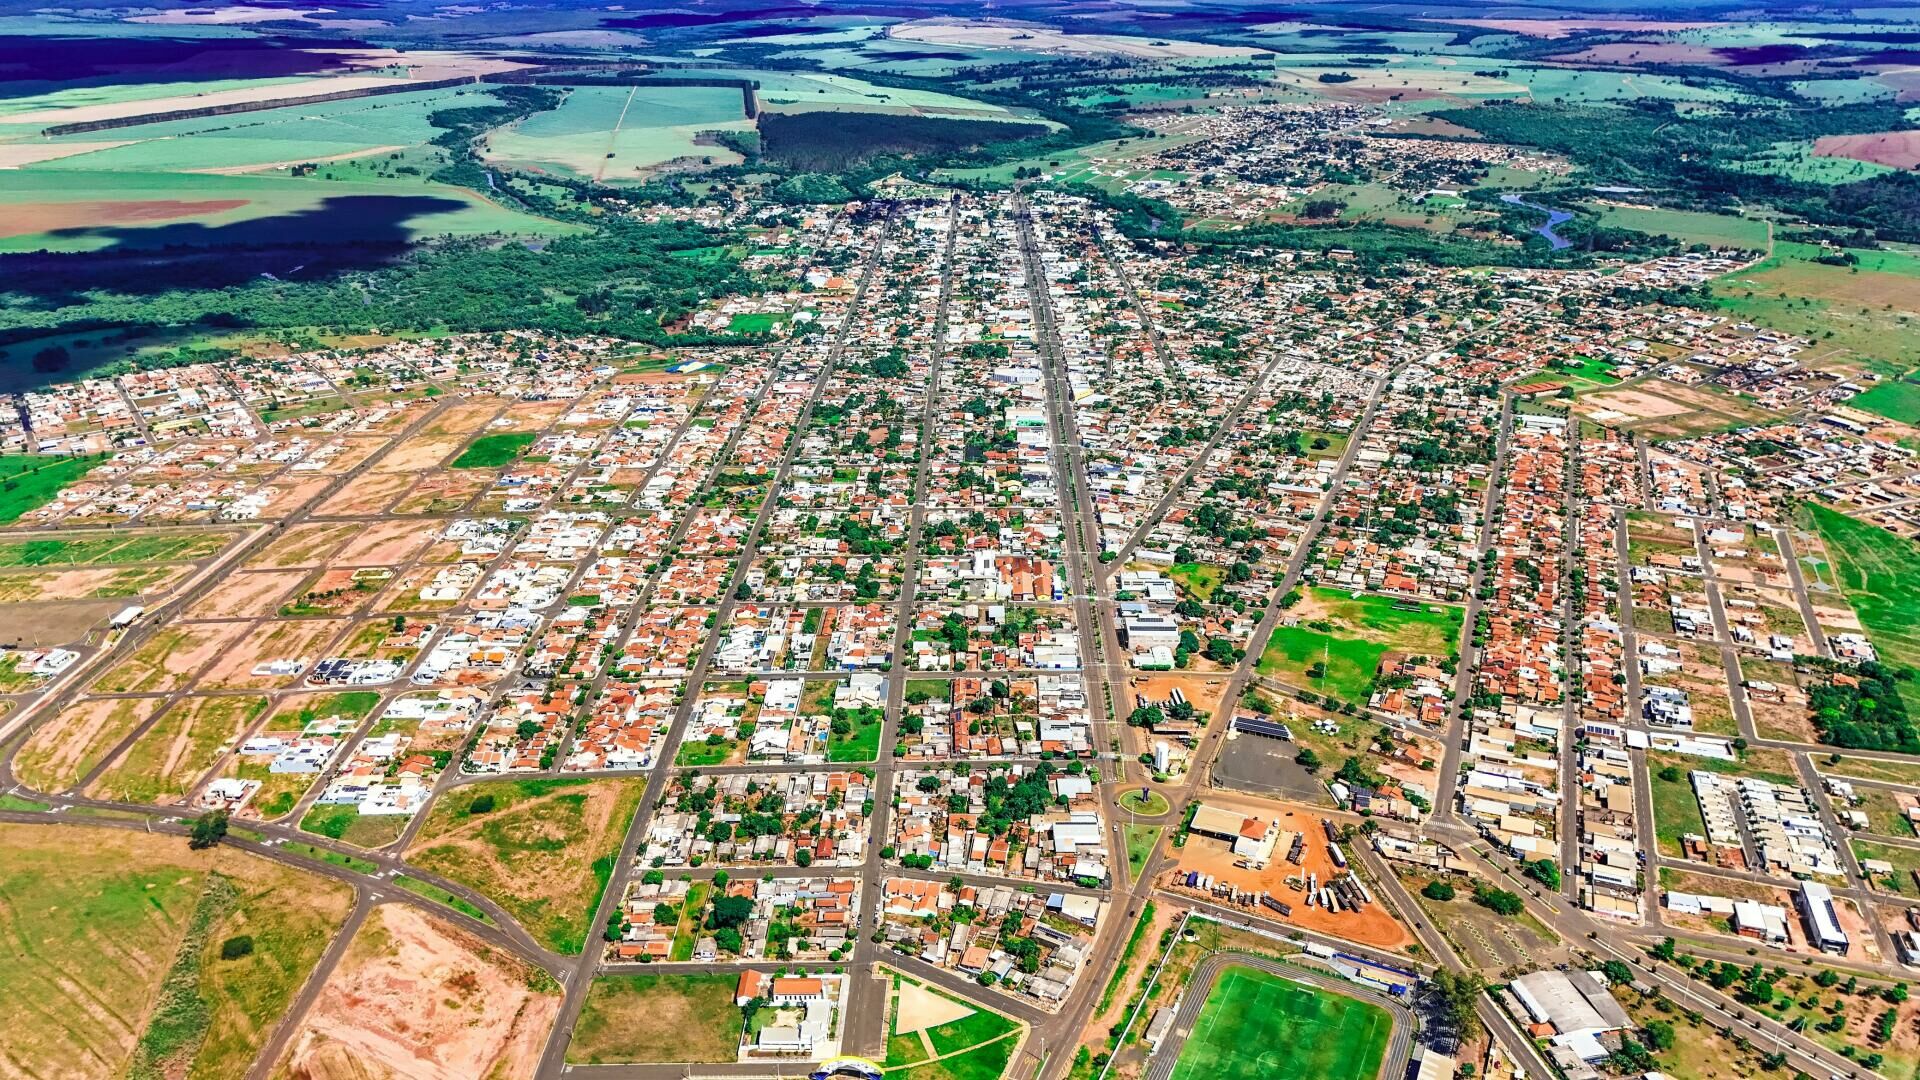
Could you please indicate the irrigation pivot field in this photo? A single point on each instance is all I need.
(1257, 1026)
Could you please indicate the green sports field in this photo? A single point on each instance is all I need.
(1257, 1026)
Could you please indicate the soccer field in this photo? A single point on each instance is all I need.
(1257, 1026)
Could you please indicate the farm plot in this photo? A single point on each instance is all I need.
(542, 849)
(100, 919)
(619, 132)
(417, 996)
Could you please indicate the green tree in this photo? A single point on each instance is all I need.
(208, 829)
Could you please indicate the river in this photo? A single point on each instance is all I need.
(1554, 217)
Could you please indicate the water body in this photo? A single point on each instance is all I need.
(1554, 217)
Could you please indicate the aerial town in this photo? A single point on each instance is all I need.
(997, 635)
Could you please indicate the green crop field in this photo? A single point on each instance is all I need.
(609, 132)
(30, 481)
(1880, 573)
(1257, 1026)
(1895, 399)
(493, 451)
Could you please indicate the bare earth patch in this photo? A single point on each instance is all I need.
(1899, 149)
(921, 1008)
(415, 997)
(246, 595)
(27, 219)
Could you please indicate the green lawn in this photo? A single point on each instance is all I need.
(1675, 811)
(1257, 1026)
(1140, 843)
(860, 744)
(30, 481)
(1880, 573)
(1153, 805)
(493, 451)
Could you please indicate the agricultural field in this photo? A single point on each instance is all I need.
(30, 481)
(674, 1018)
(1258, 1026)
(1346, 636)
(544, 851)
(1880, 573)
(1895, 399)
(615, 133)
(126, 936)
(245, 178)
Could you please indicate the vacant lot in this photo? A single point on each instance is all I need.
(1348, 635)
(493, 451)
(1257, 1026)
(70, 745)
(414, 996)
(168, 659)
(657, 1018)
(97, 919)
(169, 758)
(544, 851)
(114, 549)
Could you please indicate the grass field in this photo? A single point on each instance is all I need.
(1895, 399)
(169, 758)
(1880, 573)
(114, 964)
(30, 481)
(348, 825)
(1868, 309)
(1257, 1026)
(113, 550)
(544, 852)
(493, 451)
(860, 744)
(1141, 840)
(657, 1018)
(1688, 226)
(1362, 630)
